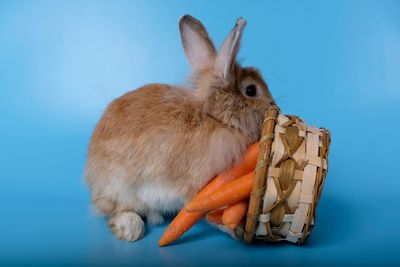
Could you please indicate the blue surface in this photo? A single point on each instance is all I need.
(335, 64)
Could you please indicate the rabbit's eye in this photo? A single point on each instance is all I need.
(251, 90)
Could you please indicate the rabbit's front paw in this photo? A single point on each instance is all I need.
(127, 226)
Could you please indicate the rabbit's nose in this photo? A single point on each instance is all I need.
(273, 103)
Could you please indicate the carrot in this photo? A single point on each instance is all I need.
(185, 220)
(247, 164)
(181, 223)
(227, 194)
(215, 216)
(234, 214)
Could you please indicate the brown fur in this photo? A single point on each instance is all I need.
(173, 138)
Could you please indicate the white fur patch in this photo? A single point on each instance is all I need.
(160, 198)
(127, 226)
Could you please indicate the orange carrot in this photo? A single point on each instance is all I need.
(234, 214)
(215, 216)
(185, 220)
(247, 164)
(225, 195)
(181, 223)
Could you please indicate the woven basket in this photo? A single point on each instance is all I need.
(290, 173)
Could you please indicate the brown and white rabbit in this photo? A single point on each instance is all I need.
(155, 147)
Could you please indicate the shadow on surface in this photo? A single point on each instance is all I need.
(195, 237)
(336, 222)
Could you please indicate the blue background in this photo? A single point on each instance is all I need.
(334, 63)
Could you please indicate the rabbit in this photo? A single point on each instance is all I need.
(158, 145)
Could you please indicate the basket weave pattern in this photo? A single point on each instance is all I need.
(289, 177)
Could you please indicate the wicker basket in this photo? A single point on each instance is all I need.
(290, 173)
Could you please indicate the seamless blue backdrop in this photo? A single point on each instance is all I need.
(334, 63)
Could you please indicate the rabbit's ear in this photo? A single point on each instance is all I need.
(198, 46)
(226, 58)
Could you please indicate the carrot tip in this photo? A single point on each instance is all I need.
(162, 243)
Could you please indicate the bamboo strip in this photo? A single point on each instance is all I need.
(264, 159)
